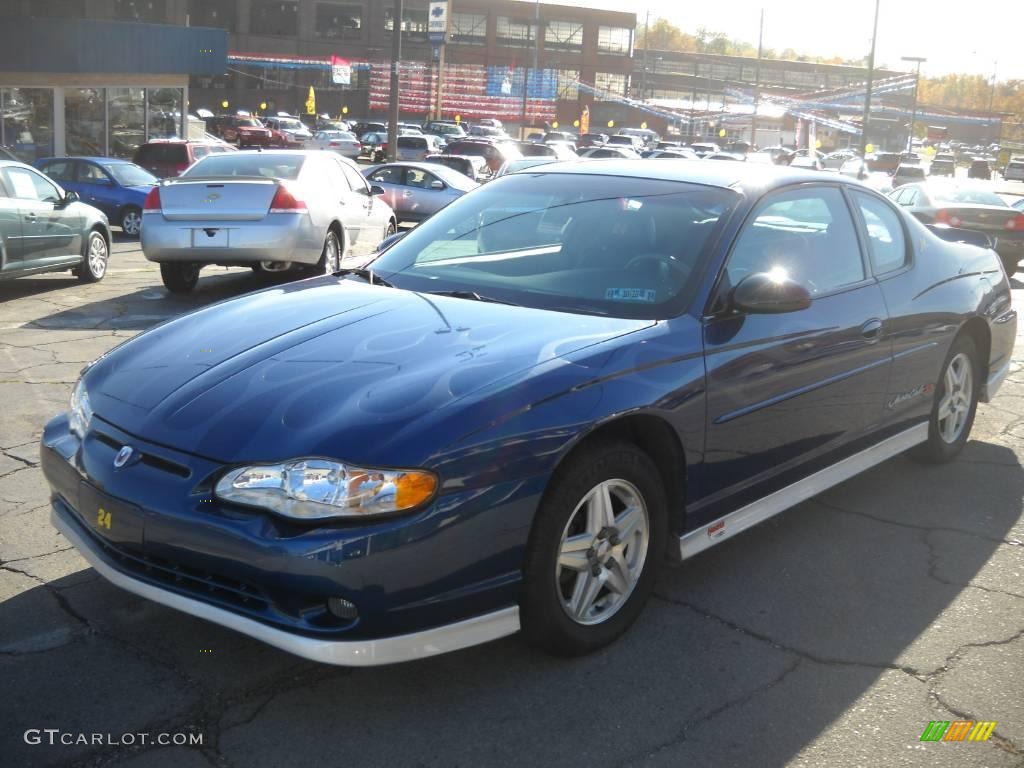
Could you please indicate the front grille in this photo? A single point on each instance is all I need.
(149, 459)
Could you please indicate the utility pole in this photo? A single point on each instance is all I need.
(396, 58)
(917, 82)
(992, 101)
(757, 83)
(536, 64)
(643, 64)
(867, 95)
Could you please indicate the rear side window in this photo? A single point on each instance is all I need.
(200, 150)
(887, 245)
(60, 170)
(389, 174)
(806, 233)
(355, 179)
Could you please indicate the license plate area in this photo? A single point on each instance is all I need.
(210, 237)
(112, 519)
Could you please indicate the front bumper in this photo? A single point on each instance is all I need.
(353, 653)
(422, 583)
(276, 237)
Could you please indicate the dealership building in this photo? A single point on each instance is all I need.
(84, 86)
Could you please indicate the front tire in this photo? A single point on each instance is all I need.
(179, 278)
(94, 259)
(956, 402)
(594, 551)
(131, 221)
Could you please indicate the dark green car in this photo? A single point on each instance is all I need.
(45, 229)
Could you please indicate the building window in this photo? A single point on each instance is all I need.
(564, 36)
(617, 40)
(26, 122)
(126, 114)
(516, 33)
(141, 10)
(414, 24)
(612, 82)
(568, 87)
(57, 9)
(274, 17)
(469, 28)
(337, 21)
(212, 13)
(164, 113)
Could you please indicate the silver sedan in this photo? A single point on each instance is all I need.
(273, 211)
(417, 191)
(343, 142)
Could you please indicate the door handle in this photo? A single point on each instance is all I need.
(30, 217)
(872, 330)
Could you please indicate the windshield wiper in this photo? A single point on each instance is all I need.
(367, 274)
(471, 295)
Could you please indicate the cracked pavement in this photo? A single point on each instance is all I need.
(829, 635)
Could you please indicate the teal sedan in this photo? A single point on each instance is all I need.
(44, 228)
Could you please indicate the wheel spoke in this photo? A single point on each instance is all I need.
(599, 509)
(574, 552)
(617, 575)
(584, 594)
(629, 521)
(945, 407)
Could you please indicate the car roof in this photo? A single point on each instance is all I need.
(753, 177)
(90, 159)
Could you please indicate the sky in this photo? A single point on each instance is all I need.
(977, 37)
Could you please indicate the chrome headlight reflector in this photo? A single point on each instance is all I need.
(80, 411)
(321, 489)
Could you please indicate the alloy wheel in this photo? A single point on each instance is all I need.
(602, 552)
(958, 391)
(131, 222)
(97, 256)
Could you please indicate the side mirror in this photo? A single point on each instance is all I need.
(70, 197)
(376, 190)
(437, 185)
(387, 242)
(766, 293)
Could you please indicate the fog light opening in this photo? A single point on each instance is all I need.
(342, 608)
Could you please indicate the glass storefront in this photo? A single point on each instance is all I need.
(126, 118)
(164, 113)
(97, 121)
(84, 121)
(26, 122)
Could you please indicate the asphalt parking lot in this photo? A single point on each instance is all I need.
(828, 636)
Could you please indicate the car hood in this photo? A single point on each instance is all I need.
(329, 367)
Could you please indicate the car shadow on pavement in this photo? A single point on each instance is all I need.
(757, 651)
(141, 309)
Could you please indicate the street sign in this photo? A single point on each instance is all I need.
(437, 21)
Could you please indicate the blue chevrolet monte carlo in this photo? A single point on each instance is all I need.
(509, 419)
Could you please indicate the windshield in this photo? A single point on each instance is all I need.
(250, 122)
(290, 124)
(608, 245)
(967, 195)
(269, 164)
(130, 175)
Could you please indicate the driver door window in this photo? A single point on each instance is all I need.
(807, 234)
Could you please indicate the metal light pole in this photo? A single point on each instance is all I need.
(757, 83)
(643, 65)
(867, 95)
(992, 100)
(917, 83)
(536, 63)
(396, 57)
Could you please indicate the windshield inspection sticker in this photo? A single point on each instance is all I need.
(631, 294)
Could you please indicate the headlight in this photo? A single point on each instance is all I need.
(319, 489)
(80, 413)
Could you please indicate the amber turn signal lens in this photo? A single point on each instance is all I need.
(414, 488)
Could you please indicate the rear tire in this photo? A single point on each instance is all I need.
(330, 257)
(95, 255)
(954, 406)
(131, 221)
(594, 551)
(179, 278)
